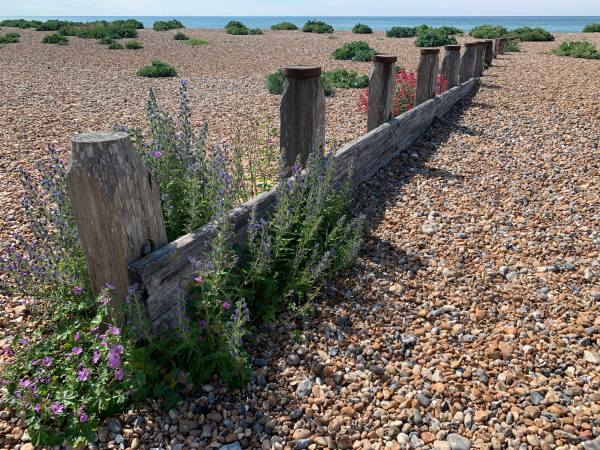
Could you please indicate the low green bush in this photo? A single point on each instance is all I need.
(165, 25)
(577, 49)
(591, 28)
(179, 36)
(345, 79)
(527, 34)
(20, 23)
(488, 32)
(196, 42)
(361, 28)
(512, 46)
(158, 69)
(434, 38)
(317, 26)
(106, 41)
(401, 32)
(255, 31)
(284, 26)
(10, 38)
(451, 31)
(115, 46)
(55, 39)
(354, 51)
(236, 28)
(133, 45)
(275, 81)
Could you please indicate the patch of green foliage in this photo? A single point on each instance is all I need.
(591, 28)
(275, 81)
(179, 36)
(165, 25)
(196, 42)
(488, 32)
(434, 38)
(361, 28)
(401, 32)
(317, 26)
(339, 78)
(10, 38)
(236, 28)
(451, 31)
(289, 26)
(158, 69)
(117, 29)
(106, 41)
(577, 49)
(527, 34)
(20, 23)
(255, 31)
(133, 45)
(55, 38)
(354, 51)
(115, 46)
(512, 46)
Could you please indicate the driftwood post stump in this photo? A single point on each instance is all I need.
(480, 59)
(489, 52)
(427, 72)
(467, 62)
(116, 206)
(502, 46)
(302, 113)
(451, 65)
(381, 91)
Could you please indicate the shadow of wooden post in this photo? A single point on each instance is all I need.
(427, 72)
(116, 205)
(302, 114)
(451, 64)
(381, 91)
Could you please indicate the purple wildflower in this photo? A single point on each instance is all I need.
(226, 305)
(77, 290)
(37, 408)
(77, 351)
(76, 336)
(114, 356)
(83, 417)
(198, 279)
(83, 374)
(8, 350)
(46, 361)
(119, 374)
(96, 357)
(24, 341)
(113, 330)
(57, 408)
(157, 154)
(202, 324)
(25, 383)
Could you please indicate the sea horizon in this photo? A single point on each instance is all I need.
(556, 24)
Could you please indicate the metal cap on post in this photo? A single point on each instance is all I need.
(467, 62)
(451, 65)
(427, 72)
(381, 90)
(302, 113)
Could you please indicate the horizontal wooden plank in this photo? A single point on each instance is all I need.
(165, 275)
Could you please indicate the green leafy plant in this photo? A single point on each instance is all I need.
(55, 39)
(10, 38)
(512, 46)
(488, 32)
(255, 31)
(577, 49)
(284, 26)
(165, 25)
(527, 34)
(344, 79)
(354, 51)
(434, 38)
(401, 32)
(591, 28)
(179, 36)
(275, 81)
(158, 69)
(106, 41)
(451, 31)
(196, 42)
(99, 29)
(317, 26)
(361, 28)
(236, 28)
(20, 23)
(115, 46)
(133, 45)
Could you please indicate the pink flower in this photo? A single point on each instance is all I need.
(198, 279)
(226, 305)
(77, 290)
(157, 154)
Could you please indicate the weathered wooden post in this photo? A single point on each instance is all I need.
(496, 47)
(427, 72)
(451, 65)
(467, 62)
(502, 47)
(381, 91)
(480, 59)
(116, 205)
(302, 113)
(489, 52)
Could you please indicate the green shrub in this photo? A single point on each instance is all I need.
(284, 26)
(157, 69)
(577, 49)
(451, 31)
(317, 26)
(100, 29)
(255, 31)
(20, 23)
(354, 51)
(527, 34)
(106, 41)
(10, 38)
(434, 38)
(133, 45)
(275, 81)
(55, 39)
(344, 79)
(401, 32)
(179, 36)
(512, 46)
(196, 42)
(591, 28)
(165, 25)
(115, 46)
(488, 32)
(236, 28)
(361, 28)
(55, 25)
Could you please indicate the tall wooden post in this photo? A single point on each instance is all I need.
(480, 59)
(116, 205)
(489, 52)
(467, 62)
(427, 72)
(302, 113)
(496, 47)
(381, 91)
(451, 65)
(502, 48)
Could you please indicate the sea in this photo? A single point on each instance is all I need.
(564, 24)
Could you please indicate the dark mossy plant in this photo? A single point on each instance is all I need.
(158, 69)
(55, 39)
(591, 28)
(361, 28)
(401, 32)
(166, 25)
(179, 36)
(527, 34)
(287, 26)
(133, 45)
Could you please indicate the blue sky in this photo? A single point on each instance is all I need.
(301, 7)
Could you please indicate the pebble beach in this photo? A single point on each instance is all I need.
(471, 318)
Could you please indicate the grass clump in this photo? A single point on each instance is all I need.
(512, 46)
(106, 41)
(401, 32)
(591, 28)
(20, 23)
(527, 34)
(115, 46)
(179, 36)
(317, 26)
(488, 32)
(55, 38)
(577, 49)
(166, 25)
(158, 69)
(361, 28)
(288, 26)
(196, 42)
(339, 78)
(133, 45)
(354, 51)
(10, 38)
(434, 38)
